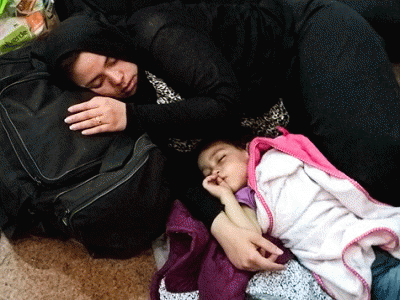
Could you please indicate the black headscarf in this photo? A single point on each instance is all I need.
(83, 32)
(90, 32)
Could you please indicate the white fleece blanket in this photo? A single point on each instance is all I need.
(328, 223)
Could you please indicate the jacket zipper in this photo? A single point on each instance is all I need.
(67, 220)
(25, 79)
(69, 213)
(28, 77)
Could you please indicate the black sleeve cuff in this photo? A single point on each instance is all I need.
(133, 126)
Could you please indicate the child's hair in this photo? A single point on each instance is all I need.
(239, 141)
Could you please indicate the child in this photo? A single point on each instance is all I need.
(327, 220)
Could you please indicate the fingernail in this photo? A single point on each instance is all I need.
(279, 251)
(72, 127)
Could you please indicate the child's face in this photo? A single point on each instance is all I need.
(228, 161)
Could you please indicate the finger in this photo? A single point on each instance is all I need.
(211, 177)
(93, 122)
(206, 180)
(82, 116)
(272, 257)
(205, 183)
(96, 130)
(266, 245)
(210, 180)
(83, 106)
(265, 264)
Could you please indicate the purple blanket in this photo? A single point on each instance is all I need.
(197, 262)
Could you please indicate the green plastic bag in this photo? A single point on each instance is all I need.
(23, 20)
(3, 4)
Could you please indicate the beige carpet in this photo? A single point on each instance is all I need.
(47, 269)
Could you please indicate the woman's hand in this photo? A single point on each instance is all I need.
(245, 248)
(100, 114)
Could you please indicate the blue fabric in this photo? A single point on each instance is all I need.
(385, 277)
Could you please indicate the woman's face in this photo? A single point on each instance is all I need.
(105, 76)
(227, 161)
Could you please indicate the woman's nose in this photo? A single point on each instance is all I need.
(215, 172)
(115, 77)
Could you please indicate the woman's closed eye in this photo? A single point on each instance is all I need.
(96, 83)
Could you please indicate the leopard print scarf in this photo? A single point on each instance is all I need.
(264, 125)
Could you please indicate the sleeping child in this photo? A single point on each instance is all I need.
(285, 187)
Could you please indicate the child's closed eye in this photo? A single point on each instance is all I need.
(221, 158)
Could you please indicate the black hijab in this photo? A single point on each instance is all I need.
(91, 32)
(83, 32)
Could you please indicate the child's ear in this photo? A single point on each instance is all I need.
(247, 146)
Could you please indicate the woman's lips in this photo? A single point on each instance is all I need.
(130, 87)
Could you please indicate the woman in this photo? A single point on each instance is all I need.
(234, 61)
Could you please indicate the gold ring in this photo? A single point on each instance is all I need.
(98, 120)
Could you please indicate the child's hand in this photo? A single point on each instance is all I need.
(216, 186)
